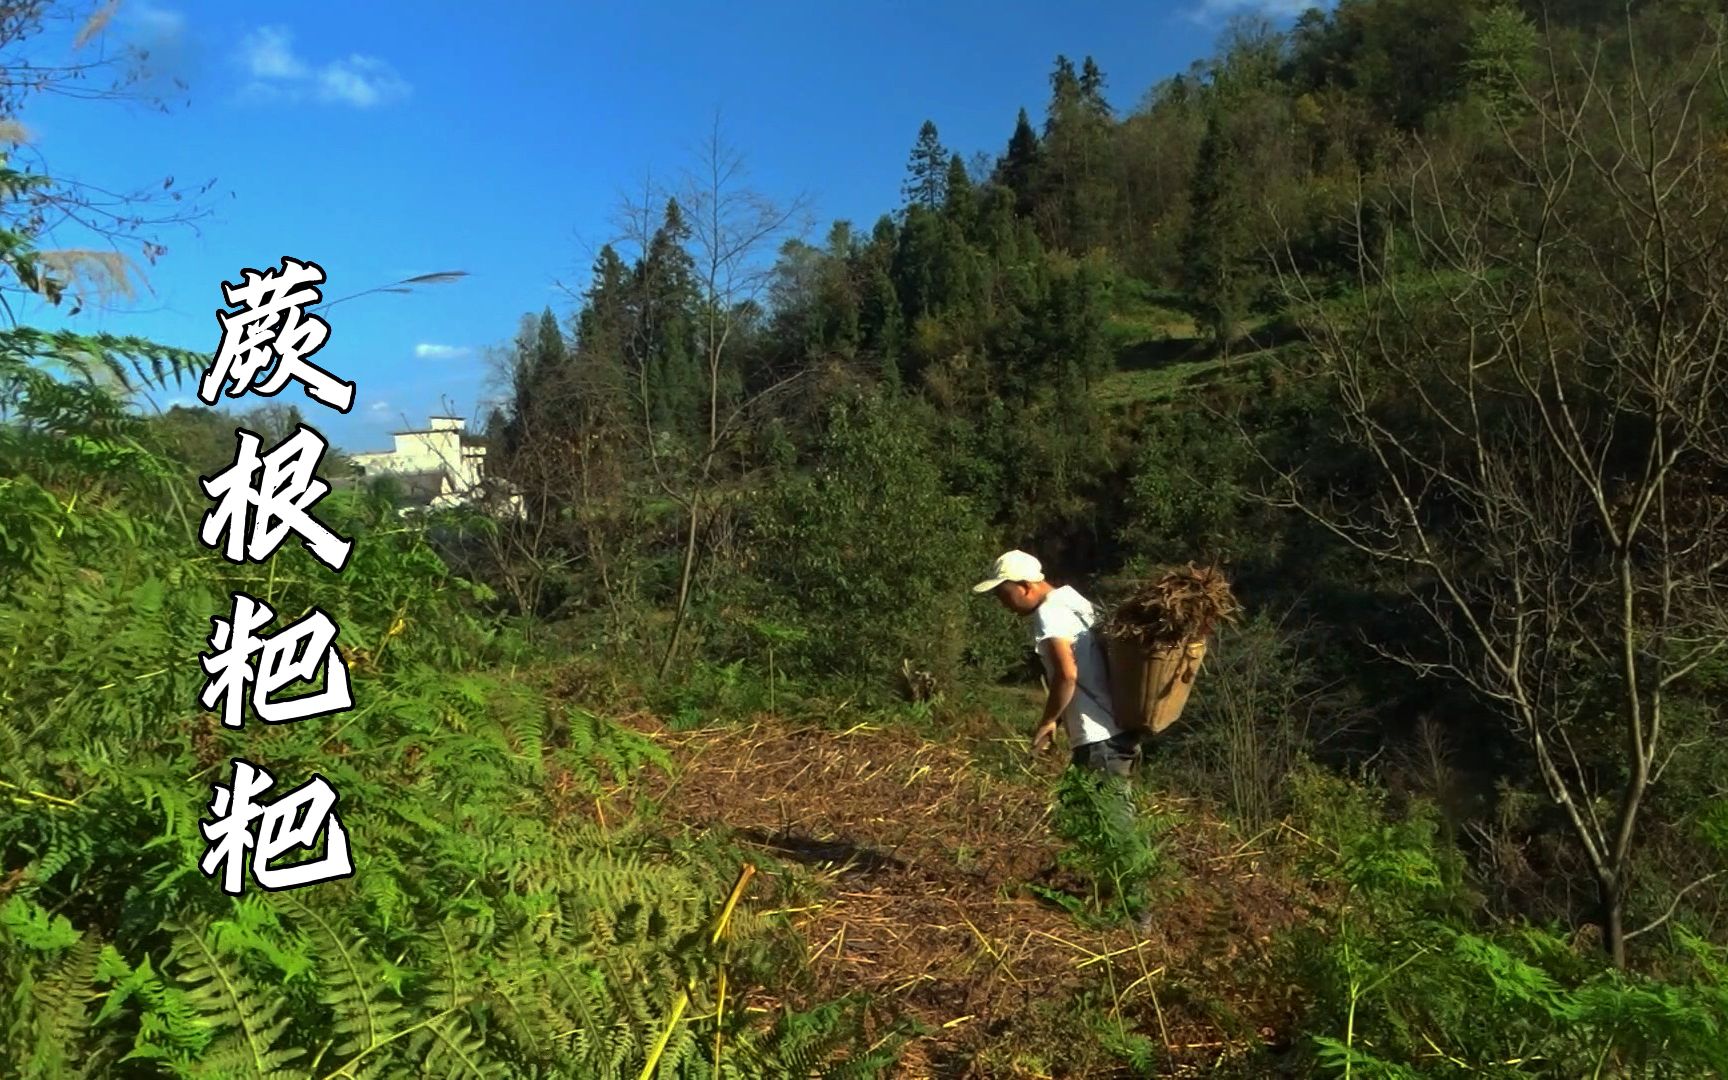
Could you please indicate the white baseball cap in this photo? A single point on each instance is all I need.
(1014, 566)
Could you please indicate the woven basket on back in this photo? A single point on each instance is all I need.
(1151, 687)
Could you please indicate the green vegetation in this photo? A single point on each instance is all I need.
(1411, 317)
(1117, 854)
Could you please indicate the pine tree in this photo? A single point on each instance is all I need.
(917, 262)
(600, 324)
(550, 354)
(1214, 266)
(1503, 44)
(553, 385)
(884, 237)
(541, 380)
(1090, 290)
(881, 325)
(1076, 196)
(957, 203)
(1092, 91)
(666, 307)
(1065, 95)
(927, 171)
(838, 295)
(600, 339)
(1017, 170)
(881, 317)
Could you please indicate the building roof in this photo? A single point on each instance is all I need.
(468, 438)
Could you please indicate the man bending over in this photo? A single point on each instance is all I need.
(1074, 664)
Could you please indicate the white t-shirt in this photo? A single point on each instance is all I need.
(1066, 614)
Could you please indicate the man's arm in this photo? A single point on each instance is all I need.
(1062, 687)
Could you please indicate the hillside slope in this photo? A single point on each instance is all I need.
(910, 868)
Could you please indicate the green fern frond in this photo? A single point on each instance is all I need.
(599, 748)
(452, 1050)
(169, 1027)
(352, 987)
(58, 1022)
(250, 1020)
(1341, 1059)
(130, 362)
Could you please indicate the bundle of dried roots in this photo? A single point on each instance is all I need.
(1180, 606)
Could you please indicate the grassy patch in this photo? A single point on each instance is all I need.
(1161, 354)
(1163, 383)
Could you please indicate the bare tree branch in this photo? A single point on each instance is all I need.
(1674, 905)
(1536, 404)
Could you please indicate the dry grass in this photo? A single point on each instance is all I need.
(920, 859)
(1179, 606)
(95, 24)
(86, 273)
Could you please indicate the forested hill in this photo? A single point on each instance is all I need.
(1412, 317)
(1092, 260)
(1099, 265)
(1406, 315)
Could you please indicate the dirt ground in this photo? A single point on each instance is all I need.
(923, 860)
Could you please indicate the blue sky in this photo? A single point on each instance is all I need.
(386, 139)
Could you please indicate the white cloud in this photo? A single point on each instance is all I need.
(378, 408)
(361, 81)
(442, 352)
(268, 57)
(1211, 10)
(166, 50)
(268, 53)
(158, 22)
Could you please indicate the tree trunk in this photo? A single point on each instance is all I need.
(683, 588)
(1612, 900)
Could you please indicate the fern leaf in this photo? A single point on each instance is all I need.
(352, 987)
(452, 1050)
(230, 1002)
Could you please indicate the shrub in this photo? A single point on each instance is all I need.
(1400, 981)
(871, 558)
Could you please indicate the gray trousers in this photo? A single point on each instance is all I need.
(1115, 755)
(1115, 758)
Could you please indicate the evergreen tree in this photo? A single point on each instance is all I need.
(1092, 92)
(550, 355)
(927, 171)
(957, 203)
(838, 294)
(1076, 198)
(881, 317)
(665, 347)
(881, 325)
(918, 270)
(1215, 268)
(815, 305)
(1065, 95)
(540, 383)
(600, 338)
(842, 244)
(1502, 56)
(600, 324)
(1091, 290)
(793, 295)
(1017, 170)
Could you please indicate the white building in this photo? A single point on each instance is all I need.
(439, 466)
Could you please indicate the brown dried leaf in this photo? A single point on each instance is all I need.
(1181, 605)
